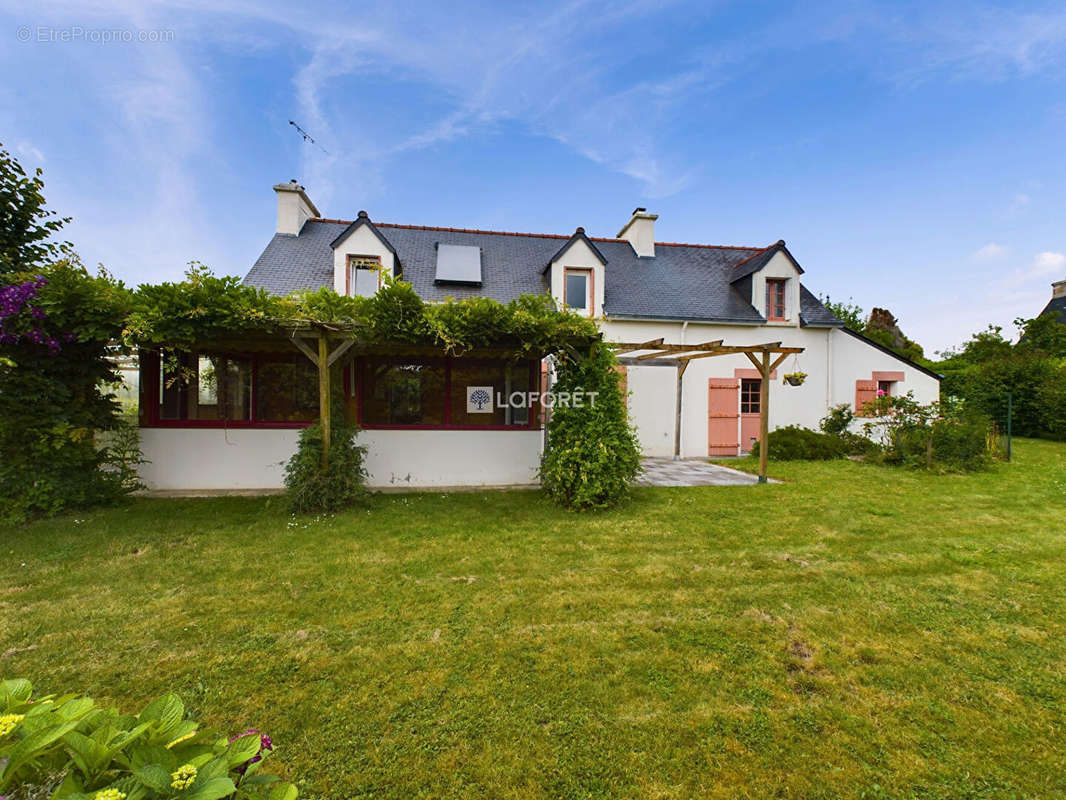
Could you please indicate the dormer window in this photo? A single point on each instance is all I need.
(578, 290)
(775, 299)
(364, 275)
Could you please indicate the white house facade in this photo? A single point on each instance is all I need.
(416, 428)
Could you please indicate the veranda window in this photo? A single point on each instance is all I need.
(205, 387)
(404, 393)
(445, 393)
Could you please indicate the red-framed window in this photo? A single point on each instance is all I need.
(579, 289)
(884, 388)
(227, 390)
(775, 298)
(233, 390)
(445, 393)
(750, 395)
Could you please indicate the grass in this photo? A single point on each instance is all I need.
(857, 631)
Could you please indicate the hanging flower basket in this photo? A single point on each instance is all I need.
(795, 378)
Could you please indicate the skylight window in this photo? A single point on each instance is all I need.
(458, 264)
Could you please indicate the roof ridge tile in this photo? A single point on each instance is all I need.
(447, 229)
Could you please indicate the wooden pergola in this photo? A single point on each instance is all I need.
(331, 341)
(766, 358)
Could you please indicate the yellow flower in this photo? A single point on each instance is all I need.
(109, 794)
(183, 778)
(8, 723)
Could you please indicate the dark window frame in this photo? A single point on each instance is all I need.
(354, 390)
(362, 366)
(150, 387)
(751, 395)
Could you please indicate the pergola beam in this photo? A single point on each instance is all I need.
(766, 357)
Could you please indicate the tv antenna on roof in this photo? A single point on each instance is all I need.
(307, 137)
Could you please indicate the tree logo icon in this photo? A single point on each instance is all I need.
(478, 399)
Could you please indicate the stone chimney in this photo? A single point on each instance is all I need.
(1058, 289)
(294, 207)
(640, 232)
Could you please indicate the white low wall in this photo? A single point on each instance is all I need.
(201, 458)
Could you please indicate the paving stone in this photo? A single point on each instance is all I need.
(691, 472)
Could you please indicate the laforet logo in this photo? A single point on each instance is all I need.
(478, 399)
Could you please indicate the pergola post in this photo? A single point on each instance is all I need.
(764, 416)
(759, 354)
(324, 395)
(681, 365)
(323, 359)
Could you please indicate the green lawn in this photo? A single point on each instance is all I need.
(855, 631)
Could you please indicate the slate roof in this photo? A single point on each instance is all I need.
(1056, 306)
(694, 282)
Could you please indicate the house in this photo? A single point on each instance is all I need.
(1057, 304)
(417, 423)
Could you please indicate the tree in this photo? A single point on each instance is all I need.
(26, 226)
(849, 313)
(1044, 334)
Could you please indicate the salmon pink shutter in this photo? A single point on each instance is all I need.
(723, 413)
(865, 393)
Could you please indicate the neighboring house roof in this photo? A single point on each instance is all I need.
(682, 281)
(1056, 306)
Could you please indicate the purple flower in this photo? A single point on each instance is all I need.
(265, 743)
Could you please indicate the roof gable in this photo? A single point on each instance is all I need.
(579, 236)
(757, 261)
(360, 221)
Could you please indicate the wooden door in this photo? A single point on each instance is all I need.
(723, 416)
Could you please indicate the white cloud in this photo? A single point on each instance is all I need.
(1043, 265)
(1048, 263)
(990, 252)
(28, 150)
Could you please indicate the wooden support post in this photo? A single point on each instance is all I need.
(677, 411)
(764, 415)
(324, 395)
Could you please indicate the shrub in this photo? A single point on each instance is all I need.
(311, 489)
(794, 443)
(55, 375)
(68, 747)
(924, 436)
(838, 423)
(838, 420)
(592, 455)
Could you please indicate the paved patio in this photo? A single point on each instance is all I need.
(691, 472)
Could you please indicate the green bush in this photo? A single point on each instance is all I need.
(68, 747)
(55, 379)
(592, 455)
(311, 489)
(838, 423)
(838, 420)
(794, 443)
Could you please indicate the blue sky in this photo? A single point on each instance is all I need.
(912, 155)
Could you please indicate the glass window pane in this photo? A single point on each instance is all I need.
(408, 393)
(205, 387)
(750, 399)
(287, 391)
(481, 393)
(366, 282)
(577, 290)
